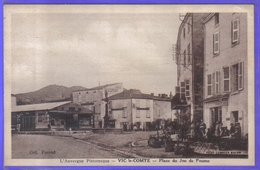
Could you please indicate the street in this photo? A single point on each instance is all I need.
(48, 147)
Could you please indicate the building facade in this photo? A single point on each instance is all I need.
(55, 116)
(93, 99)
(189, 57)
(225, 71)
(133, 108)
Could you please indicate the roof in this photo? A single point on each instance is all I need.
(98, 87)
(34, 107)
(137, 94)
(208, 18)
(132, 93)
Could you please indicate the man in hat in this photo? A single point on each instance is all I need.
(237, 133)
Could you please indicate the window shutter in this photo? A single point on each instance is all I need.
(235, 31)
(216, 43)
(209, 84)
(187, 88)
(213, 83)
(232, 32)
(226, 79)
(241, 76)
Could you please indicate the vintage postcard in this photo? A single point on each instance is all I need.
(139, 85)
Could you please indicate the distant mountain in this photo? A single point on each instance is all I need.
(49, 93)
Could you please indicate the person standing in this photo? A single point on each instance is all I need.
(232, 129)
(217, 131)
(202, 130)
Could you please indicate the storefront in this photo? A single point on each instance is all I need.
(51, 116)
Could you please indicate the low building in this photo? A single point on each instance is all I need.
(56, 115)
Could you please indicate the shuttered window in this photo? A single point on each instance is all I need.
(235, 31)
(216, 43)
(226, 79)
(209, 85)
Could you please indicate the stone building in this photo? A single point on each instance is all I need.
(189, 57)
(93, 99)
(225, 69)
(133, 108)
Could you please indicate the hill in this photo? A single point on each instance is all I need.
(49, 93)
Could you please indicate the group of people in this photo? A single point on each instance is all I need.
(217, 131)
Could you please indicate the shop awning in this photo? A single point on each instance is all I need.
(37, 107)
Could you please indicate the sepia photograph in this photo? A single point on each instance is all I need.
(160, 85)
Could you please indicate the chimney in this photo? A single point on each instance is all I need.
(170, 95)
(159, 95)
(152, 94)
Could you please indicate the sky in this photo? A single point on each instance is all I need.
(91, 49)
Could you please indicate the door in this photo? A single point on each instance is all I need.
(112, 123)
(27, 122)
(124, 126)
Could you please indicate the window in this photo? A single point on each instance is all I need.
(216, 114)
(226, 79)
(235, 31)
(184, 58)
(182, 90)
(217, 75)
(216, 19)
(177, 89)
(41, 117)
(71, 108)
(237, 76)
(124, 113)
(189, 56)
(241, 76)
(79, 99)
(148, 113)
(234, 117)
(187, 88)
(209, 84)
(183, 32)
(62, 122)
(52, 122)
(216, 43)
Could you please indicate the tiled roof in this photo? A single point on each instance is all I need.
(34, 107)
(137, 94)
(132, 93)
